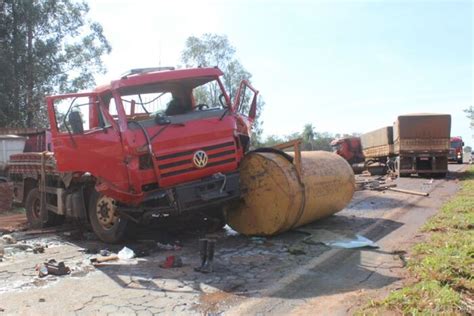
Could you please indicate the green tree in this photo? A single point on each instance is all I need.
(322, 141)
(308, 137)
(46, 47)
(272, 140)
(211, 50)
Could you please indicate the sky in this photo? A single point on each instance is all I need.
(343, 66)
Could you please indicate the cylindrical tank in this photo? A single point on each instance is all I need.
(277, 198)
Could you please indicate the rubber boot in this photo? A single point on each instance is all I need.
(208, 265)
(202, 253)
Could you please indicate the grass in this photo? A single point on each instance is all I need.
(442, 267)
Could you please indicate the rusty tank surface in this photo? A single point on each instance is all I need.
(281, 194)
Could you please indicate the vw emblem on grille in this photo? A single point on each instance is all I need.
(200, 159)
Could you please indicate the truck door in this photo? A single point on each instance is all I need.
(86, 138)
(246, 100)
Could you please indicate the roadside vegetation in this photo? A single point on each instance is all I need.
(442, 267)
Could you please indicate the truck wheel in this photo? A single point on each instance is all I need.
(33, 213)
(460, 161)
(105, 221)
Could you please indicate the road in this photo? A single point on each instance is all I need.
(278, 275)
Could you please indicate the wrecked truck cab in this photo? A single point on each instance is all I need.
(154, 143)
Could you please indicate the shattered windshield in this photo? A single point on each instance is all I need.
(169, 99)
(146, 104)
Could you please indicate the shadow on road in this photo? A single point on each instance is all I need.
(245, 266)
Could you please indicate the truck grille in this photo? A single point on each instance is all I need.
(182, 162)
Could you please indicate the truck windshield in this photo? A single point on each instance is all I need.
(456, 144)
(141, 103)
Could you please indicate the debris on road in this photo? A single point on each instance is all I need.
(99, 260)
(10, 246)
(172, 262)
(336, 239)
(8, 239)
(161, 246)
(105, 252)
(126, 253)
(382, 185)
(409, 191)
(52, 267)
(258, 240)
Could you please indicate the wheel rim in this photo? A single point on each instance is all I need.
(36, 208)
(106, 212)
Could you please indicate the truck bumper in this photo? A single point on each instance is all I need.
(197, 195)
(423, 164)
(208, 192)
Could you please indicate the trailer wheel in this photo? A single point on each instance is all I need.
(33, 213)
(105, 221)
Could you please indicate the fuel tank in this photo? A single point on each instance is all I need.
(280, 195)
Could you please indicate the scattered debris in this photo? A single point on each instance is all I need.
(126, 253)
(105, 252)
(206, 252)
(8, 239)
(258, 240)
(409, 192)
(39, 248)
(98, 260)
(52, 267)
(141, 251)
(378, 185)
(296, 250)
(168, 246)
(337, 239)
(375, 185)
(172, 262)
(429, 182)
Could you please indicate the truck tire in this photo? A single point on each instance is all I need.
(459, 161)
(32, 206)
(105, 222)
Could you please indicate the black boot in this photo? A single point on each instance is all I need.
(208, 265)
(202, 253)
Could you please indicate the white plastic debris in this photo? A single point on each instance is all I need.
(336, 238)
(126, 253)
(358, 242)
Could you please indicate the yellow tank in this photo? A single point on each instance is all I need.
(280, 195)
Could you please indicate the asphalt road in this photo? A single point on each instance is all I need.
(278, 275)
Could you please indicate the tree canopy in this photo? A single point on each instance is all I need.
(311, 139)
(46, 47)
(211, 50)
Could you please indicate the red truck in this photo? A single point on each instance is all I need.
(456, 149)
(348, 148)
(148, 145)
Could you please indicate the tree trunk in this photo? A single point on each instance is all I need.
(29, 74)
(16, 73)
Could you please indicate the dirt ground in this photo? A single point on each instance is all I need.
(285, 274)
(12, 222)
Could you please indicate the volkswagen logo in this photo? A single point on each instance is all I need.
(200, 159)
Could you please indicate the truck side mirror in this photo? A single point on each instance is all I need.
(462, 144)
